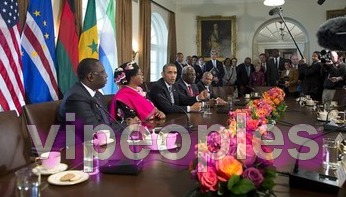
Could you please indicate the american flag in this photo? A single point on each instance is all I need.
(11, 75)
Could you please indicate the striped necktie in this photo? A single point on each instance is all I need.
(171, 94)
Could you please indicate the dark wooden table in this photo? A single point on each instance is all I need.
(164, 177)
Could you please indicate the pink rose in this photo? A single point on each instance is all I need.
(254, 175)
(208, 180)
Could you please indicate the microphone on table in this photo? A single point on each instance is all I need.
(313, 180)
(188, 125)
(121, 166)
(332, 34)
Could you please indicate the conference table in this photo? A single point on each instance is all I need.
(171, 177)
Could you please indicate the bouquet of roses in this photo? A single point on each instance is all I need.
(233, 164)
(270, 107)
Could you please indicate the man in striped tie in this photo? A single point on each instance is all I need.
(166, 97)
(186, 84)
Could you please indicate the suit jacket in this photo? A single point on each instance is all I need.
(217, 72)
(273, 73)
(179, 69)
(201, 87)
(78, 101)
(199, 72)
(182, 88)
(242, 77)
(292, 78)
(160, 96)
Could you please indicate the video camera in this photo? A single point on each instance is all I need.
(326, 56)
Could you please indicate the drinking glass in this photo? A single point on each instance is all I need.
(207, 108)
(91, 162)
(330, 153)
(28, 182)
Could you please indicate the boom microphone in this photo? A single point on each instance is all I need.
(332, 34)
(274, 11)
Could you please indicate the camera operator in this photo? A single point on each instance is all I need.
(334, 74)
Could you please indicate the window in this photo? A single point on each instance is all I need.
(158, 52)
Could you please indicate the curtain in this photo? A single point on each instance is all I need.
(124, 30)
(172, 39)
(144, 43)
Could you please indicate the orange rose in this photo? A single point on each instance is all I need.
(228, 166)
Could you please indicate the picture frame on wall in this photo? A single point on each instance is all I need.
(335, 13)
(216, 33)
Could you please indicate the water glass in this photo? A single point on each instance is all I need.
(207, 108)
(28, 181)
(330, 150)
(91, 162)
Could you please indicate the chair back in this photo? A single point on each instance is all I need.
(43, 116)
(14, 148)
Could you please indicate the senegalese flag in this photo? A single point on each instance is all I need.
(67, 48)
(88, 41)
(108, 48)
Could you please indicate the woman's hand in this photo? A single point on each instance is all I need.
(159, 114)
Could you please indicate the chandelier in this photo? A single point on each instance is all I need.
(273, 3)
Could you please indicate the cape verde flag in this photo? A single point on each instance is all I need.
(38, 49)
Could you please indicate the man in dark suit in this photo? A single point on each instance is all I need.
(216, 68)
(244, 71)
(85, 102)
(166, 97)
(179, 63)
(205, 84)
(186, 84)
(197, 67)
(275, 67)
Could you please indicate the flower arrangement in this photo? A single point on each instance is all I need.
(271, 106)
(233, 161)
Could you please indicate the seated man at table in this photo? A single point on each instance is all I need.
(205, 84)
(85, 102)
(166, 98)
(186, 84)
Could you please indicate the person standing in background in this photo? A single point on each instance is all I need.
(197, 67)
(313, 81)
(264, 66)
(216, 68)
(244, 71)
(257, 78)
(179, 63)
(229, 65)
(275, 67)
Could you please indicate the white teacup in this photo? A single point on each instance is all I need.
(323, 115)
(247, 96)
(310, 102)
(333, 103)
(50, 160)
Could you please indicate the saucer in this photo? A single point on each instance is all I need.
(61, 167)
(55, 178)
(162, 147)
(108, 141)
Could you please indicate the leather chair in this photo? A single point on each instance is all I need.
(14, 148)
(43, 116)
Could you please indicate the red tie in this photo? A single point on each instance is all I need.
(190, 90)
